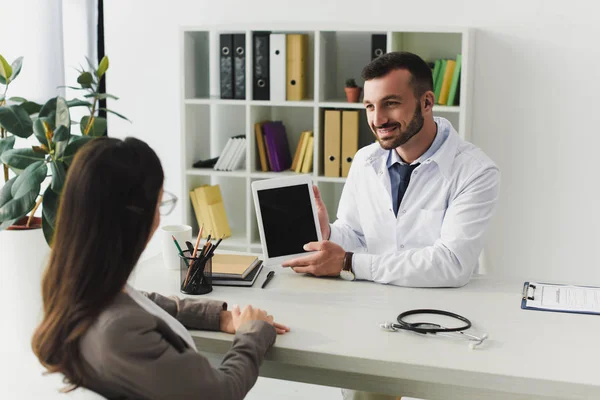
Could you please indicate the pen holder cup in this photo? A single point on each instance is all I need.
(195, 274)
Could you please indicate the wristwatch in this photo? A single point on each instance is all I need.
(346, 272)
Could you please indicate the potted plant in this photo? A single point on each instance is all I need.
(352, 90)
(39, 174)
(51, 125)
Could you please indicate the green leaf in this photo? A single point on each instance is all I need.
(12, 208)
(102, 96)
(17, 99)
(16, 68)
(92, 66)
(71, 87)
(31, 107)
(98, 126)
(39, 131)
(78, 103)
(85, 80)
(7, 144)
(2, 80)
(48, 108)
(75, 143)
(62, 114)
(59, 174)
(1, 98)
(30, 179)
(102, 67)
(49, 211)
(60, 146)
(19, 159)
(5, 70)
(116, 113)
(61, 134)
(16, 121)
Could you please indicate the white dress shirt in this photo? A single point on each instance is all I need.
(436, 239)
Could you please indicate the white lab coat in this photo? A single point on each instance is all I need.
(439, 233)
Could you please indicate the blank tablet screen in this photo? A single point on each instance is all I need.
(288, 220)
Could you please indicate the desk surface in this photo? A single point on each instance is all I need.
(336, 340)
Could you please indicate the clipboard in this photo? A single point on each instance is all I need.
(561, 298)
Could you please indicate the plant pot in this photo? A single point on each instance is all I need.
(353, 94)
(24, 255)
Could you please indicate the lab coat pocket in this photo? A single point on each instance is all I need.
(428, 226)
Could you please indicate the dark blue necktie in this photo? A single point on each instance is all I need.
(404, 171)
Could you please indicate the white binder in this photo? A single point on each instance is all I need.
(277, 62)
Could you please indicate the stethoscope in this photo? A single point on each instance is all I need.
(435, 329)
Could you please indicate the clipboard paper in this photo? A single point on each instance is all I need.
(561, 298)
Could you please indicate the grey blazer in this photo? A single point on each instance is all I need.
(131, 354)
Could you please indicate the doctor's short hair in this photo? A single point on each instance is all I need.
(421, 74)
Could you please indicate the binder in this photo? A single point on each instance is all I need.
(296, 52)
(349, 139)
(239, 71)
(277, 70)
(448, 72)
(260, 144)
(277, 145)
(260, 64)
(332, 143)
(212, 210)
(226, 65)
(307, 163)
(452, 98)
(378, 45)
(561, 298)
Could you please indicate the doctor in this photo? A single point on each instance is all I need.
(416, 204)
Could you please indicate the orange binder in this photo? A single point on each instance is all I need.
(332, 138)
(296, 61)
(349, 139)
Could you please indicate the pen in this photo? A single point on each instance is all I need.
(180, 251)
(269, 276)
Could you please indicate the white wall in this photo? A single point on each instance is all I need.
(536, 84)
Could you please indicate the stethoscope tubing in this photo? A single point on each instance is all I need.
(418, 326)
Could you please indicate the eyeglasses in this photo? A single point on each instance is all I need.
(167, 205)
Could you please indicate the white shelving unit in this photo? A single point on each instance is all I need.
(334, 55)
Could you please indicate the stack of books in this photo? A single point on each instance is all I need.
(235, 269)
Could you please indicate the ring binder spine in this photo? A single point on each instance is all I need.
(526, 288)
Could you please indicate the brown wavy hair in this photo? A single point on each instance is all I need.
(104, 221)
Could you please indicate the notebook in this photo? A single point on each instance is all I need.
(233, 265)
(247, 281)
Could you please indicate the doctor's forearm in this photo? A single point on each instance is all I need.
(433, 266)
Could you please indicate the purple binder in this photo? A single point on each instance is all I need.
(277, 145)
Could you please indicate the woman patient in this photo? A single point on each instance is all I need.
(102, 334)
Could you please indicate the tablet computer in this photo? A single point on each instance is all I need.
(287, 217)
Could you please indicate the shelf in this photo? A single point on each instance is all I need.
(302, 103)
(329, 179)
(212, 172)
(334, 55)
(268, 175)
(341, 104)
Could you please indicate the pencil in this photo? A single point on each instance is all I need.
(198, 241)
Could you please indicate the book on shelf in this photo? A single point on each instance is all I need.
(233, 155)
(446, 80)
(209, 209)
(233, 266)
(278, 148)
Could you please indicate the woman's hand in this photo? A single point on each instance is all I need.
(232, 320)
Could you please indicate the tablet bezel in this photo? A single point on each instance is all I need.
(274, 183)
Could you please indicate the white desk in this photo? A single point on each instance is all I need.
(335, 338)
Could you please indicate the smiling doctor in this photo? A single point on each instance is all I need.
(417, 202)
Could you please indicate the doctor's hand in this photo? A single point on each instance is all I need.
(322, 214)
(328, 260)
(232, 320)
